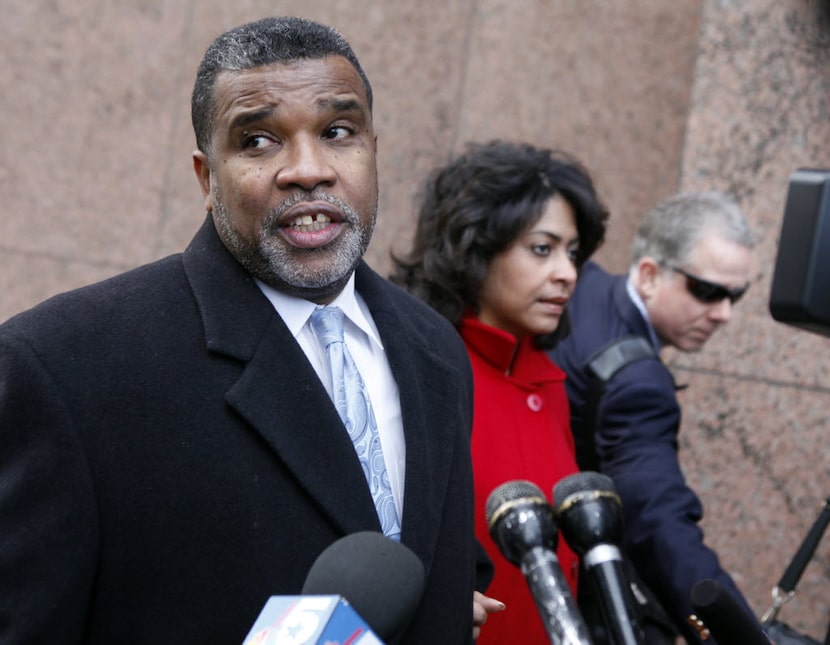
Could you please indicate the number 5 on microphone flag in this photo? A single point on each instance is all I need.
(310, 620)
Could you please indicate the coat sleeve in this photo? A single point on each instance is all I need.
(48, 523)
(636, 441)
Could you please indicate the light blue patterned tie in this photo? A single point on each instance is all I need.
(352, 402)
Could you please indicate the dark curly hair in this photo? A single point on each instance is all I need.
(473, 208)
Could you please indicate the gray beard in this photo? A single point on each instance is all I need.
(285, 268)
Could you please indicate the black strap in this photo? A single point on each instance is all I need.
(805, 552)
(784, 591)
(611, 358)
(602, 365)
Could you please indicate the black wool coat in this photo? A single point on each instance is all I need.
(169, 458)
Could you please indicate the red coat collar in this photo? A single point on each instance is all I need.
(518, 358)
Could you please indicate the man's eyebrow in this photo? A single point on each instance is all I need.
(246, 118)
(335, 104)
(341, 105)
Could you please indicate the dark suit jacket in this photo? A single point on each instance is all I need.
(636, 442)
(170, 459)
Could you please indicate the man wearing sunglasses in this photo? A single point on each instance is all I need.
(690, 265)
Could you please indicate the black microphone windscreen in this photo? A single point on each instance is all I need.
(579, 483)
(520, 519)
(511, 492)
(725, 618)
(381, 578)
(588, 510)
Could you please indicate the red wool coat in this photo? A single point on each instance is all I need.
(521, 430)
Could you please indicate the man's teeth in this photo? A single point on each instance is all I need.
(309, 223)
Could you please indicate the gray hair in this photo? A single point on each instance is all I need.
(263, 42)
(671, 230)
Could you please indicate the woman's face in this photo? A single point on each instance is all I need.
(529, 283)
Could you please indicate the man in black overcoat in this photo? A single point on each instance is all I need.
(170, 455)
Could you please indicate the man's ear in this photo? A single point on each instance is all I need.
(646, 273)
(201, 167)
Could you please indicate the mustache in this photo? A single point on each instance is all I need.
(275, 215)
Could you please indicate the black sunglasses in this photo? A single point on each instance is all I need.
(705, 291)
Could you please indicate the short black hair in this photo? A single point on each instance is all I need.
(259, 43)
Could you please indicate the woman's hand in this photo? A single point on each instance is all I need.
(482, 606)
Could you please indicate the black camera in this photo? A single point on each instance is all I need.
(800, 294)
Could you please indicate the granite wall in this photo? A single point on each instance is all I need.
(653, 95)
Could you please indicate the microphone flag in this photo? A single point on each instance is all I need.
(310, 620)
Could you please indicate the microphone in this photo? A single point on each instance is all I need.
(591, 520)
(522, 526)
(381, 578)
(362, 588)
(724, 617)
(309, 620)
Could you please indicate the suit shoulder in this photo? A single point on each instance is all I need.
(432, 326)
(592, 309)
(411, 318)
(643, 388)
(414, 305)
(594, 283)
(104, 303)
(386, 293)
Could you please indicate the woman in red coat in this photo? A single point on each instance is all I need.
(502, 230)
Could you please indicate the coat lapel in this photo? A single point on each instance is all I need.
(281, 398)
(429, 408)
(278, 392)
(280, 395)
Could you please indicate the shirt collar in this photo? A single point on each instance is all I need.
(641, 306)
(295, 311)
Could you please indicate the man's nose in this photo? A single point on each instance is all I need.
(721, 311)
(305, 164)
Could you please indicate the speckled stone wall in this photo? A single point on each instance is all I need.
(755, 430)
(653, 95)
